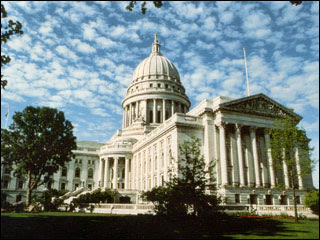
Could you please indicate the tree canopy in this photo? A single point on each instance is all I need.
(11, 28)
(291, 153)
(190, 189)
(39, 141)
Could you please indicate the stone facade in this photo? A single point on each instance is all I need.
(156, 120)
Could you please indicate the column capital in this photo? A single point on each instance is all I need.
(238, 126)
(222, 124)
(252, 128)
(266, 131)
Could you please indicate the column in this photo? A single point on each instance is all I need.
(300, 182)
(216, 155)
(123, 119)
(166, 151)
(285, 172)
(158, 162)
(234, 158)
(100, 177)
(154, 110)
(163, 110)
(126, 177)
(152, 167)
(240, 155)
(115, 172)
(129, 114)
(146, 111)
(172, 107)
(255, 155)
(269, 157)
(223, 155)
(107, 173)
(141, 172)
(146, 174)
(208, 142)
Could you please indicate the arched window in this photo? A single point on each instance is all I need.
(64, 172)
(77, 173)
(90, 173)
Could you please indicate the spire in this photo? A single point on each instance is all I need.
(156, 46)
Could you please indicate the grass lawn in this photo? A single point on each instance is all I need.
(61, 225)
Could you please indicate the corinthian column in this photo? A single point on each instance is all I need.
(223, 155)
(107, 171)
(115, 173)
(240, 156)
(255, 155)
(269, 157)
(126, 175)
(300, 182)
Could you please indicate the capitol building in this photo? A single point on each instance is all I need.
(156, 119)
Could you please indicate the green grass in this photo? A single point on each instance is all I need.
(62, 225)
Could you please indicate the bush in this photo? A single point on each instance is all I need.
(50, 199)
(311, 200)
(95, 197)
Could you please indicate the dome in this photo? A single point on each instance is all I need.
(156, 66)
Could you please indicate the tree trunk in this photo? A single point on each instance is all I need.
(29, 190)
(294, 199)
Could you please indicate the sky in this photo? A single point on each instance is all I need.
(79, 57)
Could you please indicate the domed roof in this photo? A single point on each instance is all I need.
(156, 66)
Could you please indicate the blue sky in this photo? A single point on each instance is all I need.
(79, 57)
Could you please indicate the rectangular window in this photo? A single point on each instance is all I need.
(18, 198)
(237, 198)
(268, 199)
(298, 200)
(20, 185)
(63, 186)
(5, 184)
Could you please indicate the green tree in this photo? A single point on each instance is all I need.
(286, 140)
(11, 28)
(38, 142)
(47, 201)
(311, 200)
(191, 188)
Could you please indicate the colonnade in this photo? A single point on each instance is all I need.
(106, 165)
(132, 111)
(244, 165)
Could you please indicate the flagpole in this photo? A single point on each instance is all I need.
(245, 64)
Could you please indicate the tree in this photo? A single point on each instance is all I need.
(37, 144)
(191, 189)
(288, 140)
(311, 200)
(11, 29)
(157, 4)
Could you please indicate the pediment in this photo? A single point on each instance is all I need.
(259, 104)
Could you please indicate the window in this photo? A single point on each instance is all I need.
(7, 170)
(151, 85)
(20, 184)
(123, 173)
(18, 198)
(166, 85)
(283, 200)
(5, 184)
(237, 198)
(268, 199)
(253, 199)
(298, 200)
(63, 186)
(77, 173)
(159, 85)
(64, 172)
(151, 117)
(49, 185)
(90, 186)
(90, 173)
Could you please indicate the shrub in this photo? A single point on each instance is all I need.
(311, 200)
(95, 197)
(50, 199)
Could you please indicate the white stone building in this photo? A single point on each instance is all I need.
(157, 118)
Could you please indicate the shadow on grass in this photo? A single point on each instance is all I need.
(75, 226)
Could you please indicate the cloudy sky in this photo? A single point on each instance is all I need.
(79, 57)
